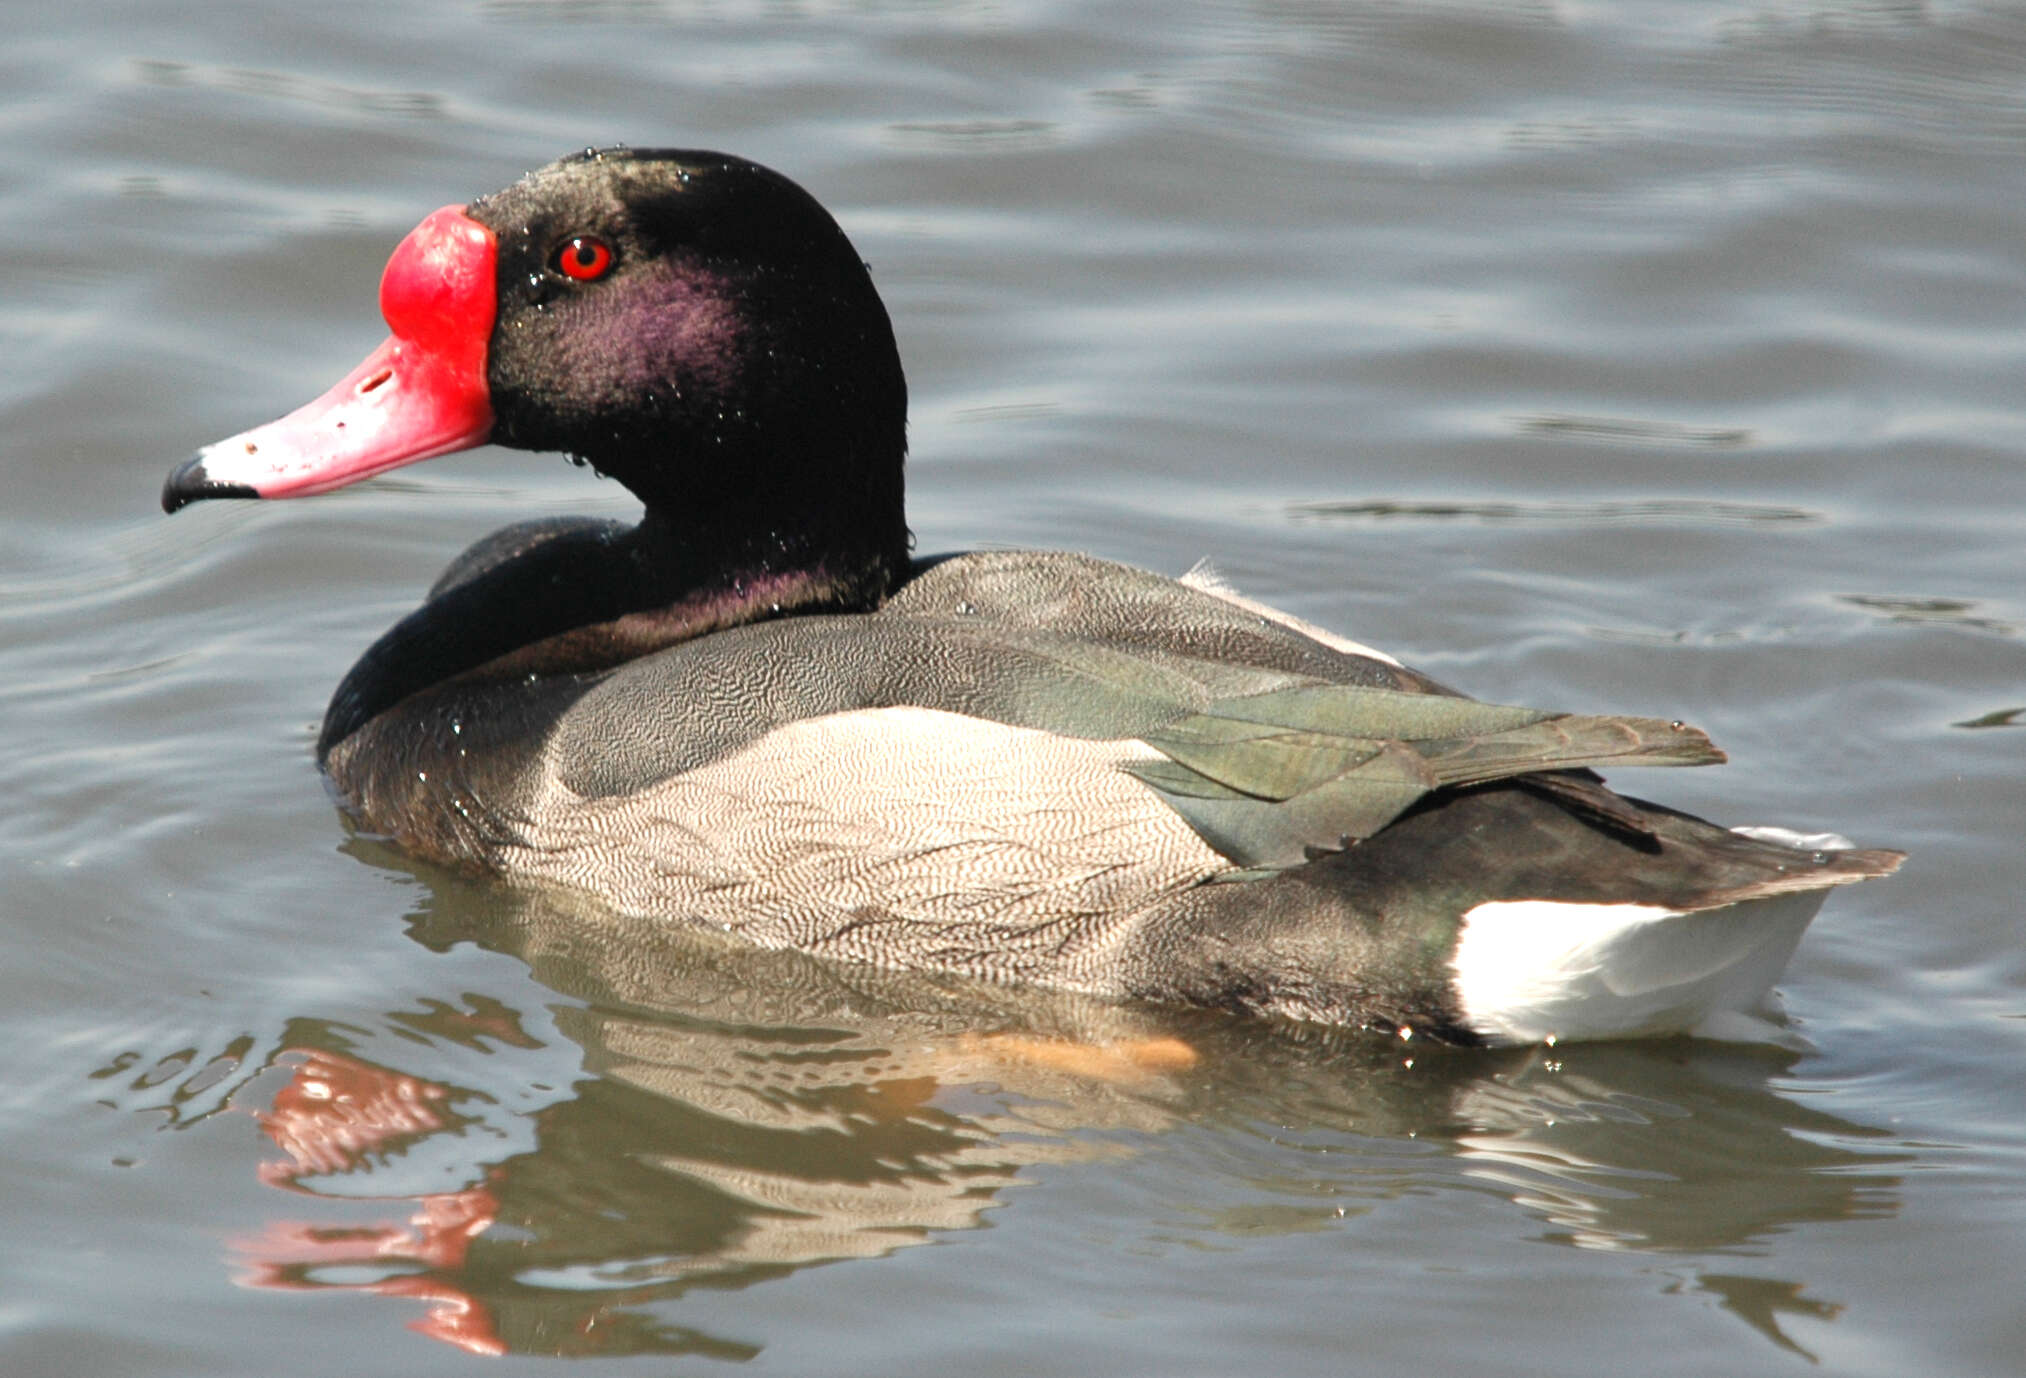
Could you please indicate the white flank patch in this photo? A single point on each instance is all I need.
(1204, 577)
(1532, 970)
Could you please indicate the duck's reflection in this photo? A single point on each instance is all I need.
(734, 1115)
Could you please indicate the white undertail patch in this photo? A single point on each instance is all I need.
(1532, 970)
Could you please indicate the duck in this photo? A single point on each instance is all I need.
(756, 709)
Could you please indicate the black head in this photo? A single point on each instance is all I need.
(690, 323)
(731, 349)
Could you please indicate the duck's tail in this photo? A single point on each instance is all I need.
(1535, 970)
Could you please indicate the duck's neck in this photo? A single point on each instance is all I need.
(716, 554)
(812, 481)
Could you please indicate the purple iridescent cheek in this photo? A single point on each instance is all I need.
(671, 327)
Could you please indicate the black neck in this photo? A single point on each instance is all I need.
(744, 521)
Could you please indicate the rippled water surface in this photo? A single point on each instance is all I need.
(1649, 357)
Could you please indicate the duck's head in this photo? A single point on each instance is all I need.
(690, 323)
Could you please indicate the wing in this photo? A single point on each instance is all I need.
(1274, 748)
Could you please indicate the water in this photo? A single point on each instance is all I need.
(1646, 357)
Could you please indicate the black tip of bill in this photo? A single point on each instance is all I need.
(188, 483)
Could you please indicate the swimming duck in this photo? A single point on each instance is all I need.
(755, 709)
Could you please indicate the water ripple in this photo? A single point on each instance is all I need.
(1688, 511)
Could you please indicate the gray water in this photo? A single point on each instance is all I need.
(1657, 357)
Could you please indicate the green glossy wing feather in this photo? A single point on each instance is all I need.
(1271, 779)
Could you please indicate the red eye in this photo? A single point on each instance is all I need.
(584, 259)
